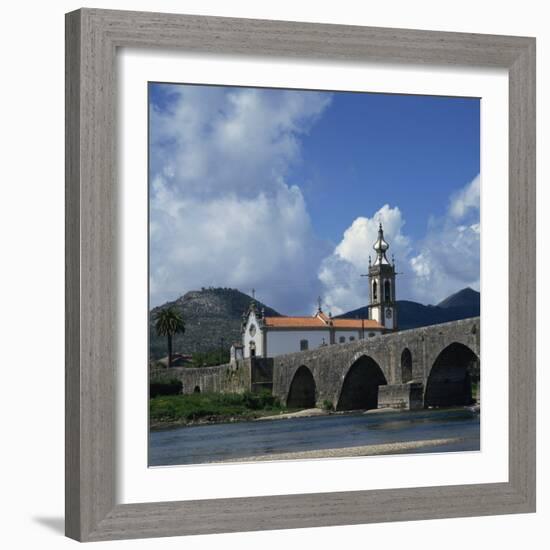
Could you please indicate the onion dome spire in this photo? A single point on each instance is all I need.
(380, 247)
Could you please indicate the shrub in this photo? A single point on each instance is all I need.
(327, 405)
(200, 405)
(261, 400)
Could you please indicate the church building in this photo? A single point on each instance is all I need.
(271, 336)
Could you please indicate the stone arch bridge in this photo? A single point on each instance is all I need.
(428, 366)
(423, 367)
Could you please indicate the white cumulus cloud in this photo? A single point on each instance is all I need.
(448, 257)
(221, 210)
(466, 200)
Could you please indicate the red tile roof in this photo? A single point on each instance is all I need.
(356, 323)
(291, 322)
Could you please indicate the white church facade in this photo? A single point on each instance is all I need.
(271, 336)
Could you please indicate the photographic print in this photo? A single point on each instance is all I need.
(314, 274)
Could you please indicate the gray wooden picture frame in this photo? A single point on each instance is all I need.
(92, 39)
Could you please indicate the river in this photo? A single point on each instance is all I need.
(231, 441)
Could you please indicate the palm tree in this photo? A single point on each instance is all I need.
(168, 322)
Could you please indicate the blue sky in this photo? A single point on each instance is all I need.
(392, 149)
(282, 191)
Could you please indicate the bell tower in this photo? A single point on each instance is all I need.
(382, 306)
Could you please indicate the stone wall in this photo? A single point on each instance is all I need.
(254, 373)
(229, 378)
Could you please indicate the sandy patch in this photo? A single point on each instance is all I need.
(345, 452)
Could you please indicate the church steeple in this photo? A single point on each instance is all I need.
(382, 307)
(380, 247)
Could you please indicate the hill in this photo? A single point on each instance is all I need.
(461, 305)
(210, 314)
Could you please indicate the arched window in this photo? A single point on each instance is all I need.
(374, 291)
(387, 291)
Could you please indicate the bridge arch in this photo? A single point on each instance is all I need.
(406, 366)
(450, 380)
(302, 392)
(360, 385)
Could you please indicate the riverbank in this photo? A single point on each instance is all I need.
(255, 416)
(248, 416)
(173, 411)
(348, 452)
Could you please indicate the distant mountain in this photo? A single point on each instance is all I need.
(466, 298)
(461, 305)
(210, 314)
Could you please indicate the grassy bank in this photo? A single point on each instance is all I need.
(167, 410)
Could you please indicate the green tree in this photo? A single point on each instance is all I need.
(168, 322)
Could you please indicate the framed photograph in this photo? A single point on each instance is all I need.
(300, 282)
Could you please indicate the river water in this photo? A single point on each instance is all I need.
(220, 442)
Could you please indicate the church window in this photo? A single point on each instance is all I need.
(342, 339)
(374, 291)
(387, 291)
(304, 345)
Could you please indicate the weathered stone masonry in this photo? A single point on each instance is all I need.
(238, 377)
